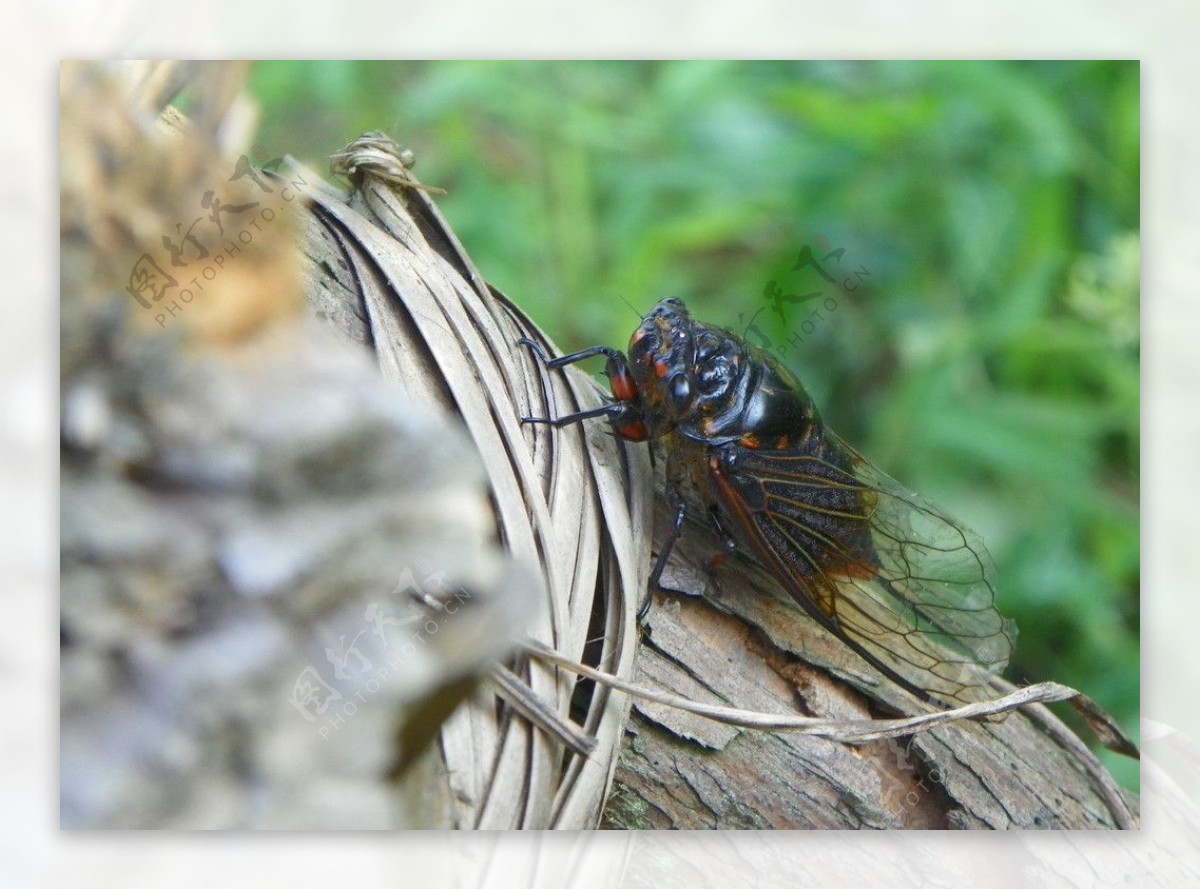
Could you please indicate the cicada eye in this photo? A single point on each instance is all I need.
(679, 392)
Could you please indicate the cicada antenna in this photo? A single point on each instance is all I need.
(632, 308)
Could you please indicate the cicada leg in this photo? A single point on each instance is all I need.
(625, 413)
(655, 582)
(728, 544)
(728, 548)
(613, 355)
(618, 411)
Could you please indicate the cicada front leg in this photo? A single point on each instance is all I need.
(625, 410)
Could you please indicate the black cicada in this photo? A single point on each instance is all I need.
(884, 570)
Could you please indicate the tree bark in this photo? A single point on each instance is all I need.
(745, 644)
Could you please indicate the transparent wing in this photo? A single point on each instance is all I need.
(888, 572)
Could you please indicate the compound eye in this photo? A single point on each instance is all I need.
(679, 392)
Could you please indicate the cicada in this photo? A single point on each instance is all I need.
(882, 569)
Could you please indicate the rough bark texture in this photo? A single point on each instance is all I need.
(747, 645)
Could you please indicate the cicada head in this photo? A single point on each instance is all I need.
(710, 384)
(661, 356)
(683, 370)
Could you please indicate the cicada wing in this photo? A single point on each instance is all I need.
(885, 570)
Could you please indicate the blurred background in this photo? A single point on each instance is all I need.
(946, 253)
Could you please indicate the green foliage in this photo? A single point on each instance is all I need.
(983, 345)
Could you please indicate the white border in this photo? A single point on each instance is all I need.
(32, 850)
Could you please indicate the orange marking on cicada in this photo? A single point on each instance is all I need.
(634, 432)
(624, 387)
(860, 570)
